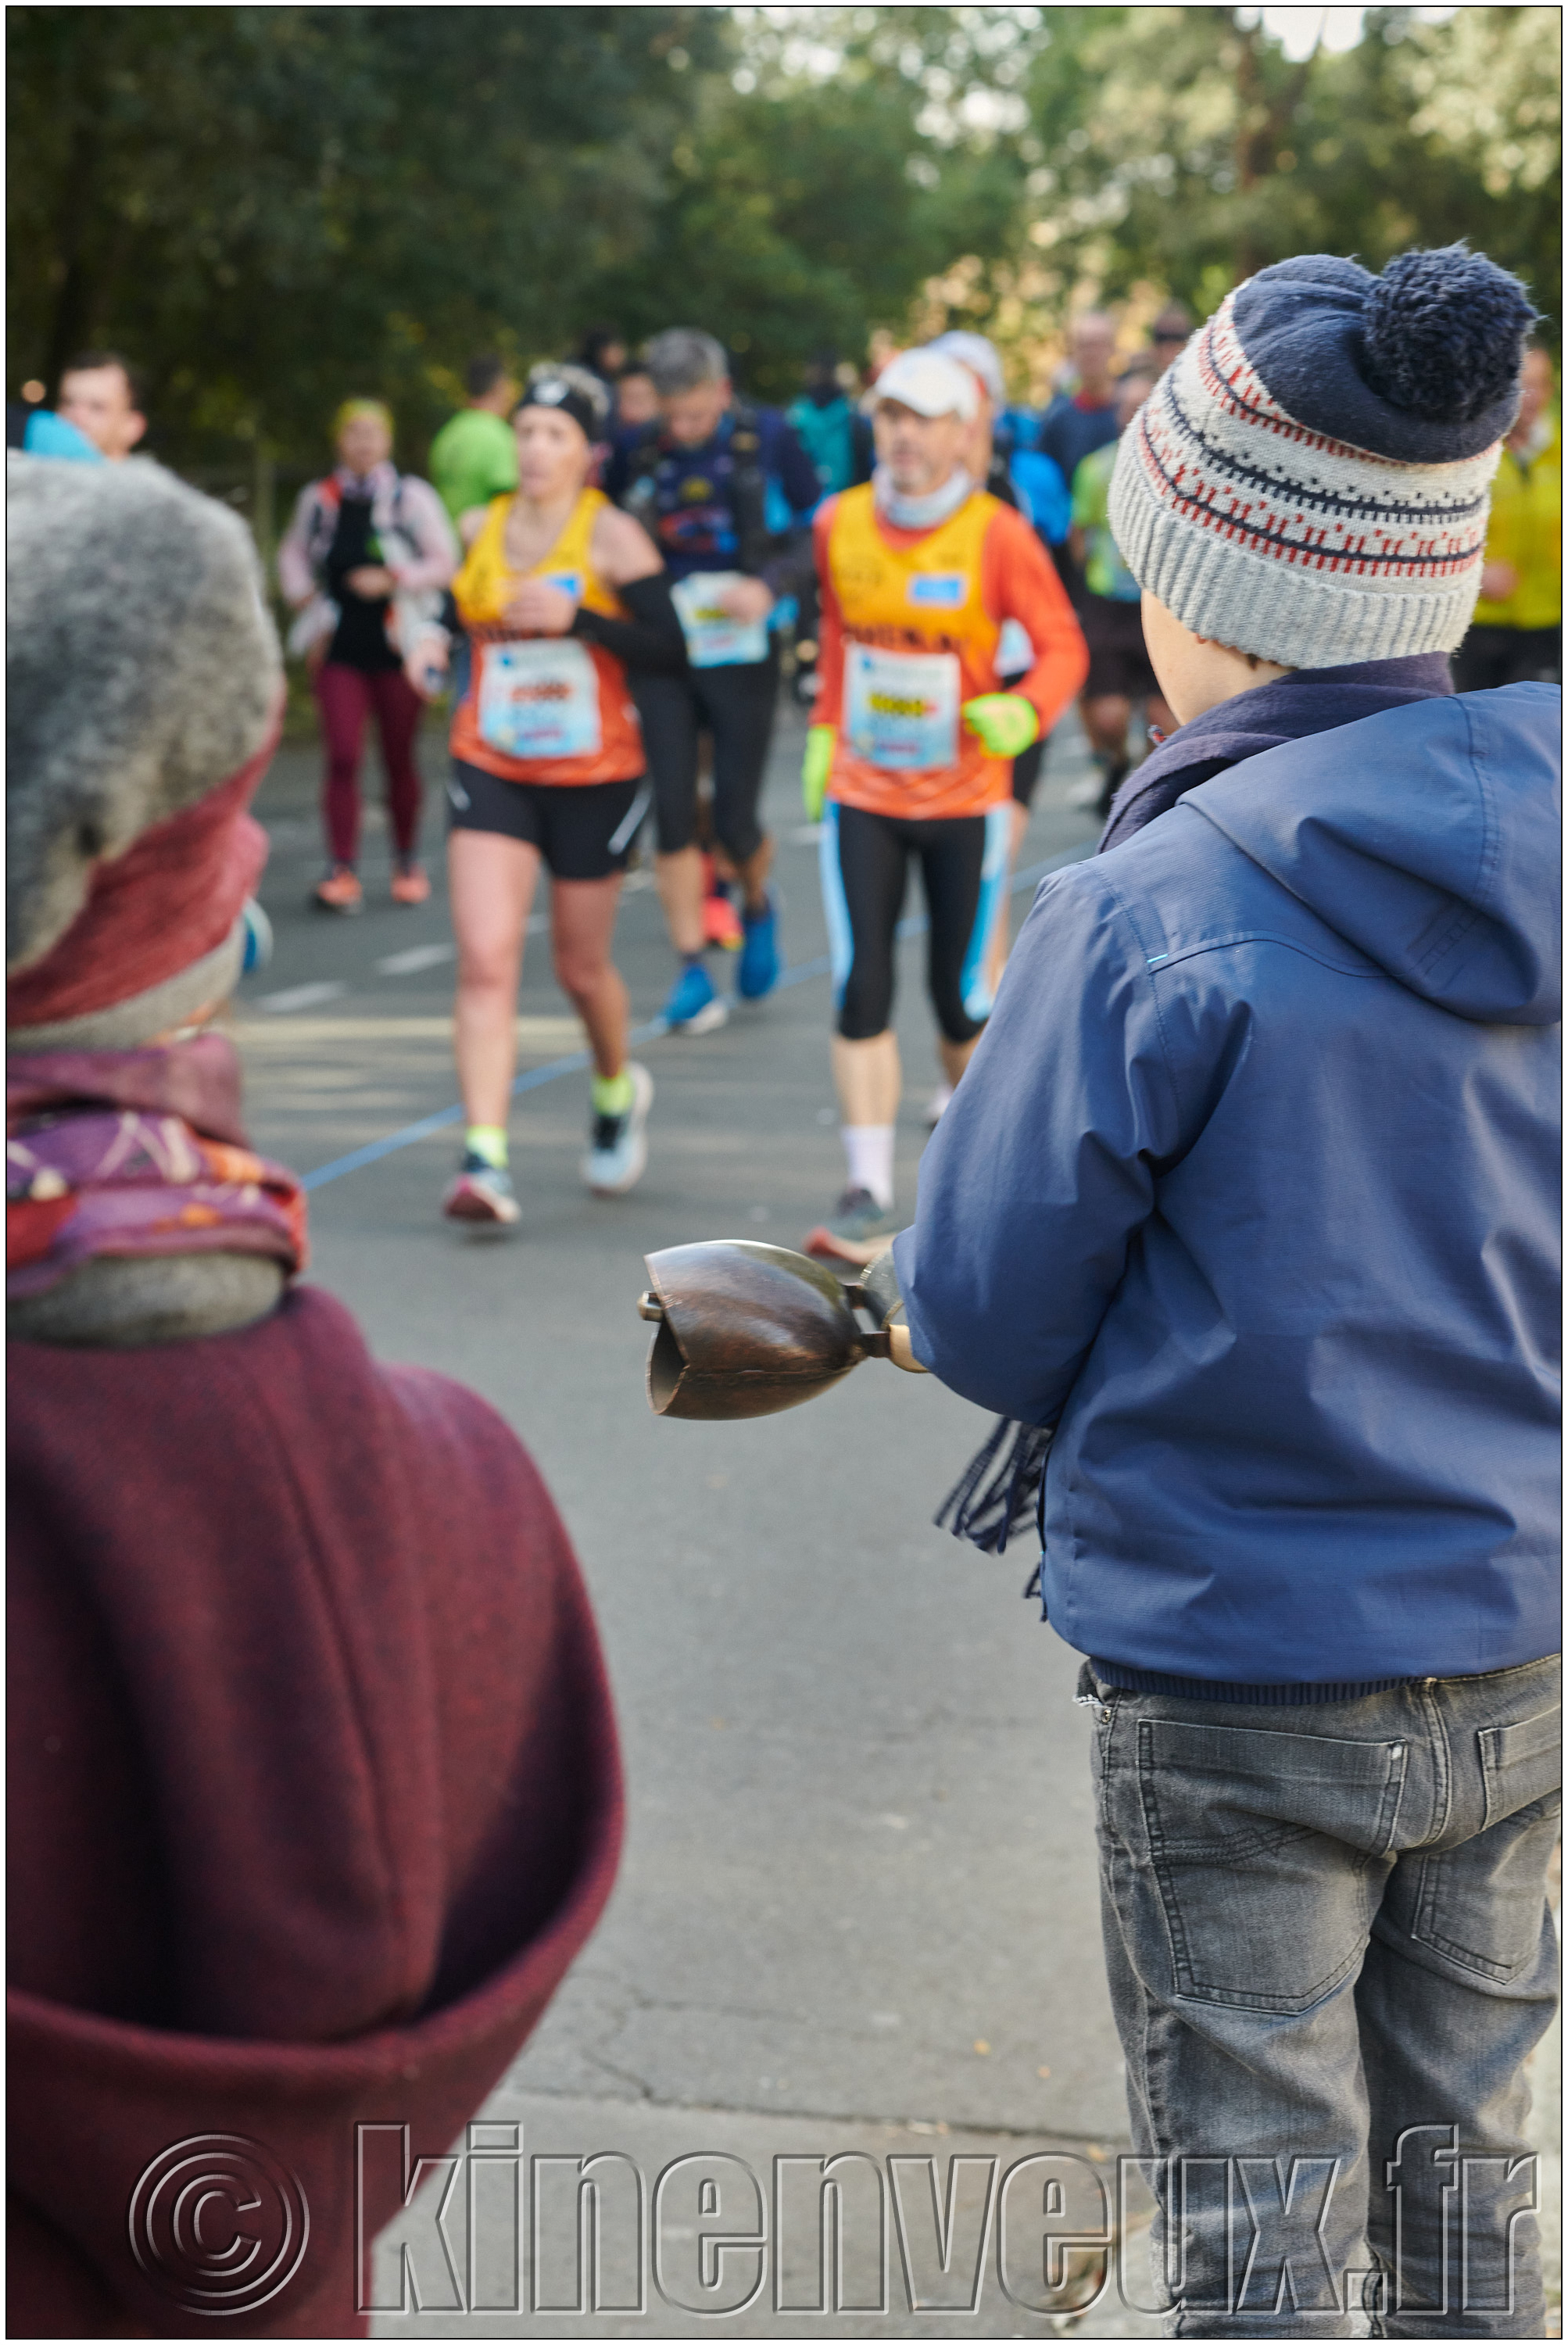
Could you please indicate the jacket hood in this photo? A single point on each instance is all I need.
(1426, 836)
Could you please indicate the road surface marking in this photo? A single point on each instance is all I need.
(444, 1117)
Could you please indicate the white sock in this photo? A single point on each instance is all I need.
(869, 1149)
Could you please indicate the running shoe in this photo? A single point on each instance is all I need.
(341, 891)
(721, 922)
(858, 1232)
(258, 937)
(411, 884)
(694, 1007)
(758, 971)
(617, 1144)
(481, 1193)
(936, 1106)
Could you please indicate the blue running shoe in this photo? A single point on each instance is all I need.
(758, 971)
(694, 1007)
(258, 937)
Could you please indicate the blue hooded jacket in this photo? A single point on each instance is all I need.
(1251, 1190)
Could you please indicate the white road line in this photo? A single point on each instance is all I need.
(298, 997)
(403, 964)
(399, 964)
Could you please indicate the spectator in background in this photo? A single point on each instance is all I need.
(365, 563)
(1078, 422)
(39, 431)
(603, 351)
(636, 400)
(473, 456)
(1169, 336)
(834, 434)
(1109, 610)
(838, 439)
(101, 394)
(1517, 634)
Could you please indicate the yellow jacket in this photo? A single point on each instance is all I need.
(1525, 530)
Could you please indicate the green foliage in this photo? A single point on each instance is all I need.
(273, 205)
(1179, 146)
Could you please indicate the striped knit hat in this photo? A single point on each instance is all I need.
(1309, 482)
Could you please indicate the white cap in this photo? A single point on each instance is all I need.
(979, 356)
(930, 383)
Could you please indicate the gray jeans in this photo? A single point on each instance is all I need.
(1330, 1954)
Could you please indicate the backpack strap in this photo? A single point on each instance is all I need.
(748, 490)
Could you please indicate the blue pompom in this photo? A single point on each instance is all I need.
(1444, 333)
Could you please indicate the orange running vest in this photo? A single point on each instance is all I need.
(542, 708)
(918, 643)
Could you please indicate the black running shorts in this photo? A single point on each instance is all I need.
(736, 705)
(583, 830)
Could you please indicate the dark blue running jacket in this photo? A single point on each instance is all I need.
(1251, 1190)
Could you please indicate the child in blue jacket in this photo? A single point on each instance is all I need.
(1248, 1204)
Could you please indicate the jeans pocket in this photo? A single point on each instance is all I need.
(1482, 1904)
(1521, 1764)
(1265, 1850)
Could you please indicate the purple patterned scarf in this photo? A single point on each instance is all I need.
(136, 1153)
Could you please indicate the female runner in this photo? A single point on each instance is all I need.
(560, 595)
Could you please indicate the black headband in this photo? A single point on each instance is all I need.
(565, 400)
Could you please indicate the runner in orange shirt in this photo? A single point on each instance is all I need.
(913, 748)
(560, 595)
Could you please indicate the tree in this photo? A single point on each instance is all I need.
(1181, 149)
(273, 206)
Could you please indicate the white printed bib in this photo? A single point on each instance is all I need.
(901, 708)
(540, 699)
(713, 639)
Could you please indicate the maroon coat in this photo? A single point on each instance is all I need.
(314, 1788)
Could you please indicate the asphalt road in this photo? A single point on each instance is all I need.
(858, 1904)
(857, 1916)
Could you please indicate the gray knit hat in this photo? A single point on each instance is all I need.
(143, 693)
(1309, 482)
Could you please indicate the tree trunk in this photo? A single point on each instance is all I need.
(1260, 126)
(74, 303)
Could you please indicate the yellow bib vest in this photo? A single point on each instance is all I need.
(918, 643)
(542, 708)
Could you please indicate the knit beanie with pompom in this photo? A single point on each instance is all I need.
(1309, 482)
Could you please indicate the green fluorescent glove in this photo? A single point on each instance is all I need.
(817, 767)
(1005, 721)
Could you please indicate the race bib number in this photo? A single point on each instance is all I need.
(713, 639)
(902, 708)
(540, 699)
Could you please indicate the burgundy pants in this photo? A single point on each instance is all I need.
(346, 697)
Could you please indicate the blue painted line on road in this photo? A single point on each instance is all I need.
(577, 1062)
